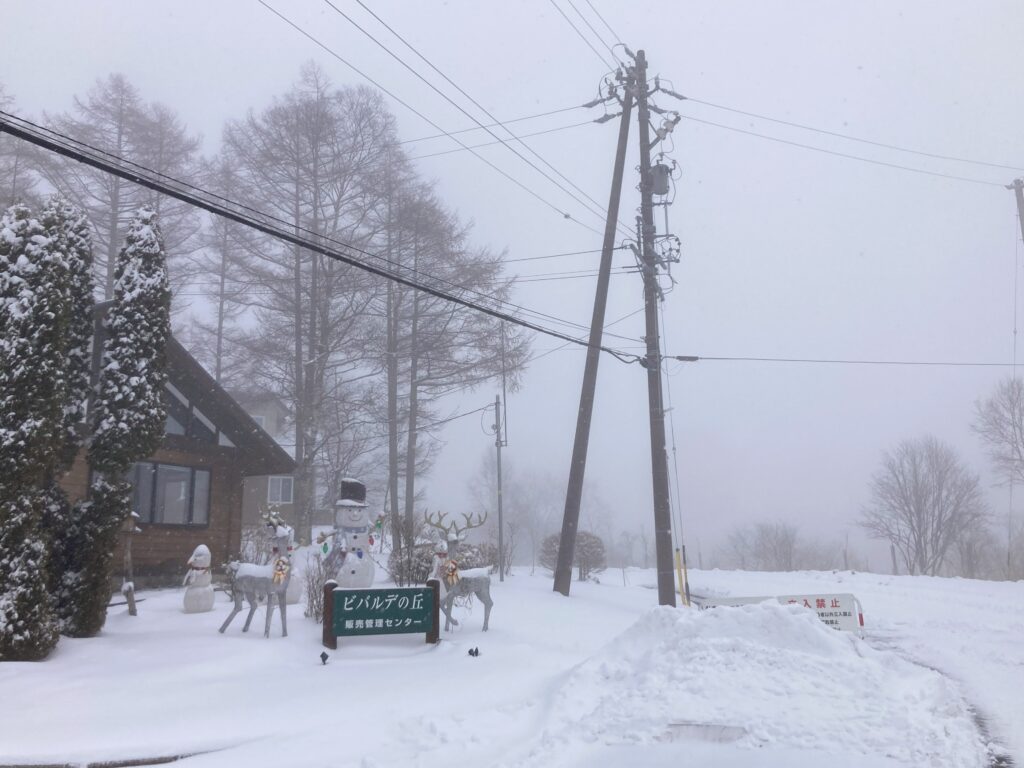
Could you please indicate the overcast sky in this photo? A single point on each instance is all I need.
(787, 252)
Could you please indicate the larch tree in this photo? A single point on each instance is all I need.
(114, 118)
(34, 308)
(18, 180)
(435, 347)
(312, 159)
(129, 414)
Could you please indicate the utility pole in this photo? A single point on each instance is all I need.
(1018, 188)
(498, 443)
(659, 456)
(574, 492)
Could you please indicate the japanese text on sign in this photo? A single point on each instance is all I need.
(382, 611)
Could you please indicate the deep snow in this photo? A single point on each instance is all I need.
(602, 678)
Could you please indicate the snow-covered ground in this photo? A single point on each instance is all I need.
(602, 678)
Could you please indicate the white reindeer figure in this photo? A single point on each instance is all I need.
(270, 581)
(459, 583)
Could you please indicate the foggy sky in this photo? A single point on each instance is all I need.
(787, 252)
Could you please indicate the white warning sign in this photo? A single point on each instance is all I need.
(837, 611)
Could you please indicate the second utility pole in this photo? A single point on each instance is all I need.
(659, 457)
(574, 493)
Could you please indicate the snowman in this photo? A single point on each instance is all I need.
(199, 589)
(352, 538)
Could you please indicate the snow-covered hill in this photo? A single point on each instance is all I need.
(603, 678)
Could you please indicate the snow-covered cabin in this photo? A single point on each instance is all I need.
(190, 491)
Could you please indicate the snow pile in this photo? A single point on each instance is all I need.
(771, 672)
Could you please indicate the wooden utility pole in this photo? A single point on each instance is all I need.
(1018, 188)
(574, 492)
(498, 443)
(659, 457)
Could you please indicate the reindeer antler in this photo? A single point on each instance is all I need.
(439, 523)
(468, 516)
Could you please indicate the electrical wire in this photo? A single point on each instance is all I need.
(350, 65)
(838, 361)
(667, 386)
(582, 36)
(597, 211)
(841, 154)
(848, 137)
(559, 255)
(492, 143)
(594, 31)
(494, 125)
(68, 141)
(143, 179)
(615, 36)
(559, 348)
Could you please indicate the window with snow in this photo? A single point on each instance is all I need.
(279, 490)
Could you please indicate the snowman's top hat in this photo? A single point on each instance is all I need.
(353, 493)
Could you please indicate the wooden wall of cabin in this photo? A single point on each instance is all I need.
(160, 551)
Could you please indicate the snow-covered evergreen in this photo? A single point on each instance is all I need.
(130, 412)
(33, 326)
(128, 423)
(68, 230)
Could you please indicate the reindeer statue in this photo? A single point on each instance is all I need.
(459, 583)
(256, 582)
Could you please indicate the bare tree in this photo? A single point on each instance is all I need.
(114, 118)
(922, 500)
(313, 158)
(999, 421)
(17, 180)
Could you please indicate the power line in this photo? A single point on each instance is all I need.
(582, 36)
(839, 361)
(848, 137)
(494, 125)
(597, 212)
(598, 209)
(423, 117)
(615, 36)
(492, 143)
(559, 255)
(591, 28)
(841, 154)
(35, 129)
(144, 179)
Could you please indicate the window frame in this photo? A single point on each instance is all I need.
(153, 468)
(291, 488)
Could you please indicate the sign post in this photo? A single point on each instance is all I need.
(400, 610)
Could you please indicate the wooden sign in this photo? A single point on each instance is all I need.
(390, 611)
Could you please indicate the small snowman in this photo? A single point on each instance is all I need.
(198, 582)
(352, 537)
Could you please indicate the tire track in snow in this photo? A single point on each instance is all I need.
(999, 756)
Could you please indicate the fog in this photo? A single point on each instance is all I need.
(788, 251)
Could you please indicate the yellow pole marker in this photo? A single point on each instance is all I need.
(679, 575)
(686, 580)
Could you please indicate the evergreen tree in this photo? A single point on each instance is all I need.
(68, 230)
(128, 423)
(34, 309)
